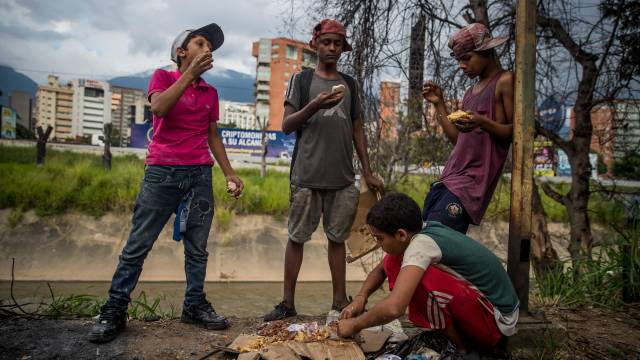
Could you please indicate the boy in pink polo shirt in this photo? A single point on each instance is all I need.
(177, 176)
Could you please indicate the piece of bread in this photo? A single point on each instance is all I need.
(458, 115)
(337, 88)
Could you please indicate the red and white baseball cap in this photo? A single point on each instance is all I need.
(473, 37)
(329, 26)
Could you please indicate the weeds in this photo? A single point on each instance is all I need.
(58, 307)
(223, 217)
(15, 216)
(72, 181)
(548, 347)
(596, 281)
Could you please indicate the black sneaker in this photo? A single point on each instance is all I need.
(111, 322)
(280, 312)
(204, 315)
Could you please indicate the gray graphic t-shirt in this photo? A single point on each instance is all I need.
(325, 149)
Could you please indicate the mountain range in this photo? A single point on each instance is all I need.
(232, 85)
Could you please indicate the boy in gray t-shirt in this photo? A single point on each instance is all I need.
(328, 124)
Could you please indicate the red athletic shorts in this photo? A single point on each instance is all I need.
(443, 300)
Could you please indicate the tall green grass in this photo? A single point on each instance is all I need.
(72, 181)
(597, 281)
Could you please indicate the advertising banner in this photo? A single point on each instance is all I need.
(8, 120)
(141, 135)
(236, 141)
(563, 167)
(543, 158)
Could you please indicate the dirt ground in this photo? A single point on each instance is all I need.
(590, 334)
(596, 333)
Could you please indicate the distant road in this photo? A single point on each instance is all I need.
(237, 161)
(243, 161)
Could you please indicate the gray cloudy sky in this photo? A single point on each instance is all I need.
(101, 38)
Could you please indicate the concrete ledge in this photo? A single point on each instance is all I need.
(536, 333)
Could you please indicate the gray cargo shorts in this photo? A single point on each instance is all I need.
(337, 207)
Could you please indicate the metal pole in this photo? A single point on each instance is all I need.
(523, 132)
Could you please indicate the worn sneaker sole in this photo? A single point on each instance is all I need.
(208, 326)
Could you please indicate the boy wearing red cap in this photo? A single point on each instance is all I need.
(323, 108)
(177, 178)
(481, 139)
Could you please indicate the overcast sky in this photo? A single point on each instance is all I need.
(99, 38)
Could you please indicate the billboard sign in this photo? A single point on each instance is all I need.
(563, 168)
(249, 142)
(236, 141)
(141, 135)
(543, 155)
(8, 121)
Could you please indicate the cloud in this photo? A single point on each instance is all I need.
(118, 37)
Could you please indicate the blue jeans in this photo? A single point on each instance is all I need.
(162, 189)
(442, 205)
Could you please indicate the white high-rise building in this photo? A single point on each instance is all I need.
(240, 114)
(91, 106)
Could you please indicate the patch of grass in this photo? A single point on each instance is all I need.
(15, 216)
(223, 217)
(225, 240)
(548, 347)
(596, 281)
(73, 305)
(59, 307)
(71, 181)
(143, 308)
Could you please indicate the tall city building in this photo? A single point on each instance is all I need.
(23, 104)
(389, 108)
(128, 107)
(627, 131)
(91, 107)
(243, 115)
(54, 106)
(277, 60)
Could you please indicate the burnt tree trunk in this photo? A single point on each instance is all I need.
(543, 256)
(106, 156)
(416, 70)
(41, 145)
(577, 149)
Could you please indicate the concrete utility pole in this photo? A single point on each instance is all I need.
(523, 132)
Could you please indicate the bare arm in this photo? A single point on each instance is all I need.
(449, 129)
(433, 94)
(392, 307)
(502, 127)
(220, 154)
(360, 141)
(294, 119)
(163, 102)
(371, 284)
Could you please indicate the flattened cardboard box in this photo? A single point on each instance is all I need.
(294, 350)
(361, 242)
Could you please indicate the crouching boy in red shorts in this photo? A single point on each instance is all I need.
(448, 281)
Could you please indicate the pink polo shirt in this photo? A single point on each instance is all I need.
(180, 137)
